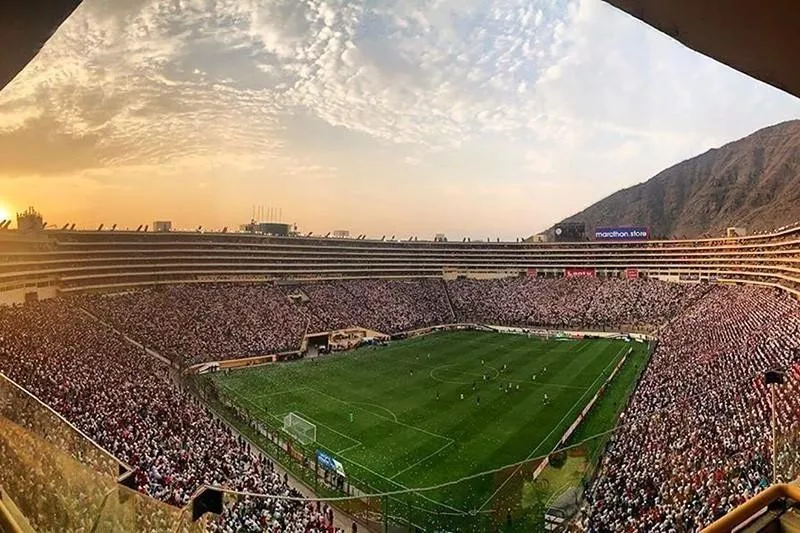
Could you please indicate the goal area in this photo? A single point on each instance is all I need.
(301, 429)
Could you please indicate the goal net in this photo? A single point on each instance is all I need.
(301, 429)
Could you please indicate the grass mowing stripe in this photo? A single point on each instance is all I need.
(549, 434)
(411, 467)
(414, 426)
(381, 416)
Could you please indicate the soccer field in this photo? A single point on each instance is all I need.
(394, 416)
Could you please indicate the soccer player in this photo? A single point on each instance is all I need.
(534, 377)
(546, 399)
(478, 399)
(351, 417)
(437, 394)
(462, 395)
(473, 386)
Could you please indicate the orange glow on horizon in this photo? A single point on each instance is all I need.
(5, 211)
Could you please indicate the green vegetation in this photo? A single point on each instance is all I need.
(394, 416)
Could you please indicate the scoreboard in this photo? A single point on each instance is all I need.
(569, 232)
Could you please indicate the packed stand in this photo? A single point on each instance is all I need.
(695, 438)
(198, 323)
(126, 403)
(387, 306)
(693, 441)
(572, 302)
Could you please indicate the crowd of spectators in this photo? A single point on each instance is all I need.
(199, 323)
(126, 402)
(572, 302)
(196, 323)
(695, 439)
(387, 306)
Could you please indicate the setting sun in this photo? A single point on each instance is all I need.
(5, 212)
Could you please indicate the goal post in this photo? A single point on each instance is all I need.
(301, 429)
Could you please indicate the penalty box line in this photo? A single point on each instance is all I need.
(395, 421)
(355, 463)
(449, 442)
(356, 442)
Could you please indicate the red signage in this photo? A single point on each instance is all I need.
(631, 273)
(578, 271)
(531, 273)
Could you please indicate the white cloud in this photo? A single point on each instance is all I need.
(569, 91)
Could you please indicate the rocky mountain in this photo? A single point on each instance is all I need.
(753, 183)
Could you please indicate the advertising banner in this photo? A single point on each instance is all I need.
(329, 463)
(631, 273)
(578, 271)
(531, 272)
(325, 461)
(622, 234)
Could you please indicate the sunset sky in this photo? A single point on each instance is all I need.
(468, 117)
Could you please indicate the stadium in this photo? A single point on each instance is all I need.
(538, 345)
(265, 380)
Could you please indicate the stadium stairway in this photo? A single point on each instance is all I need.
(449, 301)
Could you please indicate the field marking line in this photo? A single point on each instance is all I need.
(268, 394)
(351, 461)
(549, 384)
(303, 415)
(239, 396)
(403, 471)
(442, 367)
(378, 406)
(577, 403)
(279, 418)
(409, 426)
(399, 485)
(353, 447)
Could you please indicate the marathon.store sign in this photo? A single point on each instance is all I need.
(621, 234)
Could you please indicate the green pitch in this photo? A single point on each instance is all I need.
(394, 416)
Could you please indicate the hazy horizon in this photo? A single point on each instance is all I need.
(407, 117)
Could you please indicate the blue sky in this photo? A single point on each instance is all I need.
(399, 117)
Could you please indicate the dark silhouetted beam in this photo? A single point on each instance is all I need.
(24, 28)
(760, 39)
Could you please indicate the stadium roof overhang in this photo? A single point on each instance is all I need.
(761, 39)
(24, 28)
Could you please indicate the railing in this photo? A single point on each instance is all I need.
(753, 507)
(54, 478)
